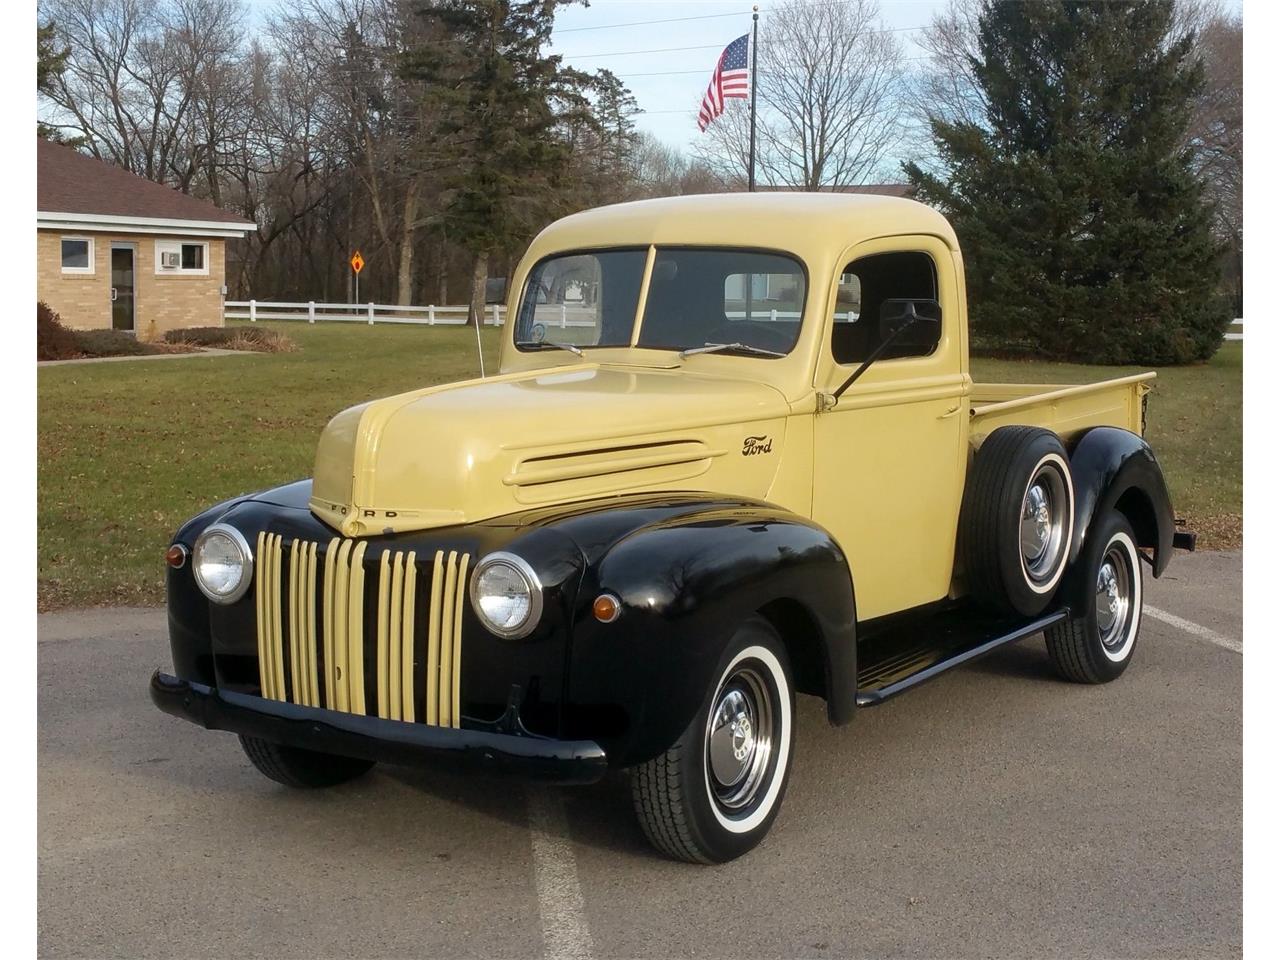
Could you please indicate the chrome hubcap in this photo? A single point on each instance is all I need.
(1113, 600)
(739, 739)
(1036, 524)
(1042, 531)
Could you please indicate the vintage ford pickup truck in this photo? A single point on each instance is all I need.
(733, 453)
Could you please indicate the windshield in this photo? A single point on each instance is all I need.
(743, 300)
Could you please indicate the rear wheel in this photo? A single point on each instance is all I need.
(714, 795)
(1104, 593)
(295, 767)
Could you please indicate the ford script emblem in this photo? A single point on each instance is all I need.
(755, 445)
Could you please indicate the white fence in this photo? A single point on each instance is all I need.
(311, 312)
(552, 315)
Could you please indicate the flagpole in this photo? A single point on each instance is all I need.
(755, 57)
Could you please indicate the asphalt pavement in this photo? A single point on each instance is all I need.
(995, 812)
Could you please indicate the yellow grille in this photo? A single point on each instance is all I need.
(336, 578)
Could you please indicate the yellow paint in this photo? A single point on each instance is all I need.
(261, 590)
(384, 635)
(355, 630)
(408, 642)
(330, 676)
(446, 642)
(341, 626)
(889, 459)
(883, 470)
(432, 693)
(277, 622)
(395, 638)
(309, 599)
(455, 677)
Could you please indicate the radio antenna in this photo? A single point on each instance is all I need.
(479, 345)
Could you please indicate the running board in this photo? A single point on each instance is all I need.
(899, 659)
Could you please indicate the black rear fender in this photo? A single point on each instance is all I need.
(1111, 467)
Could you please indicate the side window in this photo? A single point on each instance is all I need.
(865, 284)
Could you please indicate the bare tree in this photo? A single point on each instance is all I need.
(945, 88)
(663, 171)
(830, 104)
(1216, 136)
(146, 84)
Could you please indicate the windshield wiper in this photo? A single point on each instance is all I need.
(730, 347)
(544, 344)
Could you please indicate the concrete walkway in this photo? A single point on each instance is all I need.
(206, 352)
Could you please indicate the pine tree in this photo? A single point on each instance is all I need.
(1086, 234)
(499, 99)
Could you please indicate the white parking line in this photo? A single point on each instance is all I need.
(564, 924)
(1204, 633)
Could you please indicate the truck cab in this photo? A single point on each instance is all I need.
(733, 452)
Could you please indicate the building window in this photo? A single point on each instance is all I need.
(176, 257)
(77, 255)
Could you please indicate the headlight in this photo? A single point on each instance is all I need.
(506, 595)
(222, 563)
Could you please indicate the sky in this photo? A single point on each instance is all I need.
(588, 39)
(668, 63)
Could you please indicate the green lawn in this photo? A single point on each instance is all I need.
(1195, 422)
(127, 451)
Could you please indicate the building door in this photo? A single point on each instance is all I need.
(122, 286)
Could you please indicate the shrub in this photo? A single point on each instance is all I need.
(53, 340)
(111, 343)
(234, 338)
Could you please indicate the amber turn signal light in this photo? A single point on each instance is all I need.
(176, 556)
(606, 608)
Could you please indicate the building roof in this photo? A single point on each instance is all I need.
(876, 189)
(73, 189)
(818, 227)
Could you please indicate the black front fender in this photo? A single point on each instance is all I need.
(687, 576)
(1110, 468)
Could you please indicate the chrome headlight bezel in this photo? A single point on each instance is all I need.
(532, 583)
(246, 562)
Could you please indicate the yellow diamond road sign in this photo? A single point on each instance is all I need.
(357, 262)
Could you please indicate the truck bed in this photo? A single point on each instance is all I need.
(1062, 408)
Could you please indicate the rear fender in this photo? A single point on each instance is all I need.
(1111, 467)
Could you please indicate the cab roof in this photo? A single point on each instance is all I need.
(807, 224)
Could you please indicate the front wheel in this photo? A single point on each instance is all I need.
(1104, 593)
(714, 795)
(295, 767)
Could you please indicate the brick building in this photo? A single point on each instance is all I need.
(116, 250)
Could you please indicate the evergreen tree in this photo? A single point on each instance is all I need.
(1086, 233)
(499, 100)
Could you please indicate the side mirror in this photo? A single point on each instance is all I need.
(911, 323)
(910, 326)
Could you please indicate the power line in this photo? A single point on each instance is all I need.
(641, 23)
(704, 46)
(713, 16)
(631, 53)
(675, 73)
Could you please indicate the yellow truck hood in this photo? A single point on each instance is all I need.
(464, 452)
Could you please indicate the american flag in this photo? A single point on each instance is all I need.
(728, 82)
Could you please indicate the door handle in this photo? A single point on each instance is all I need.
(113, 294)
(950, 413)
